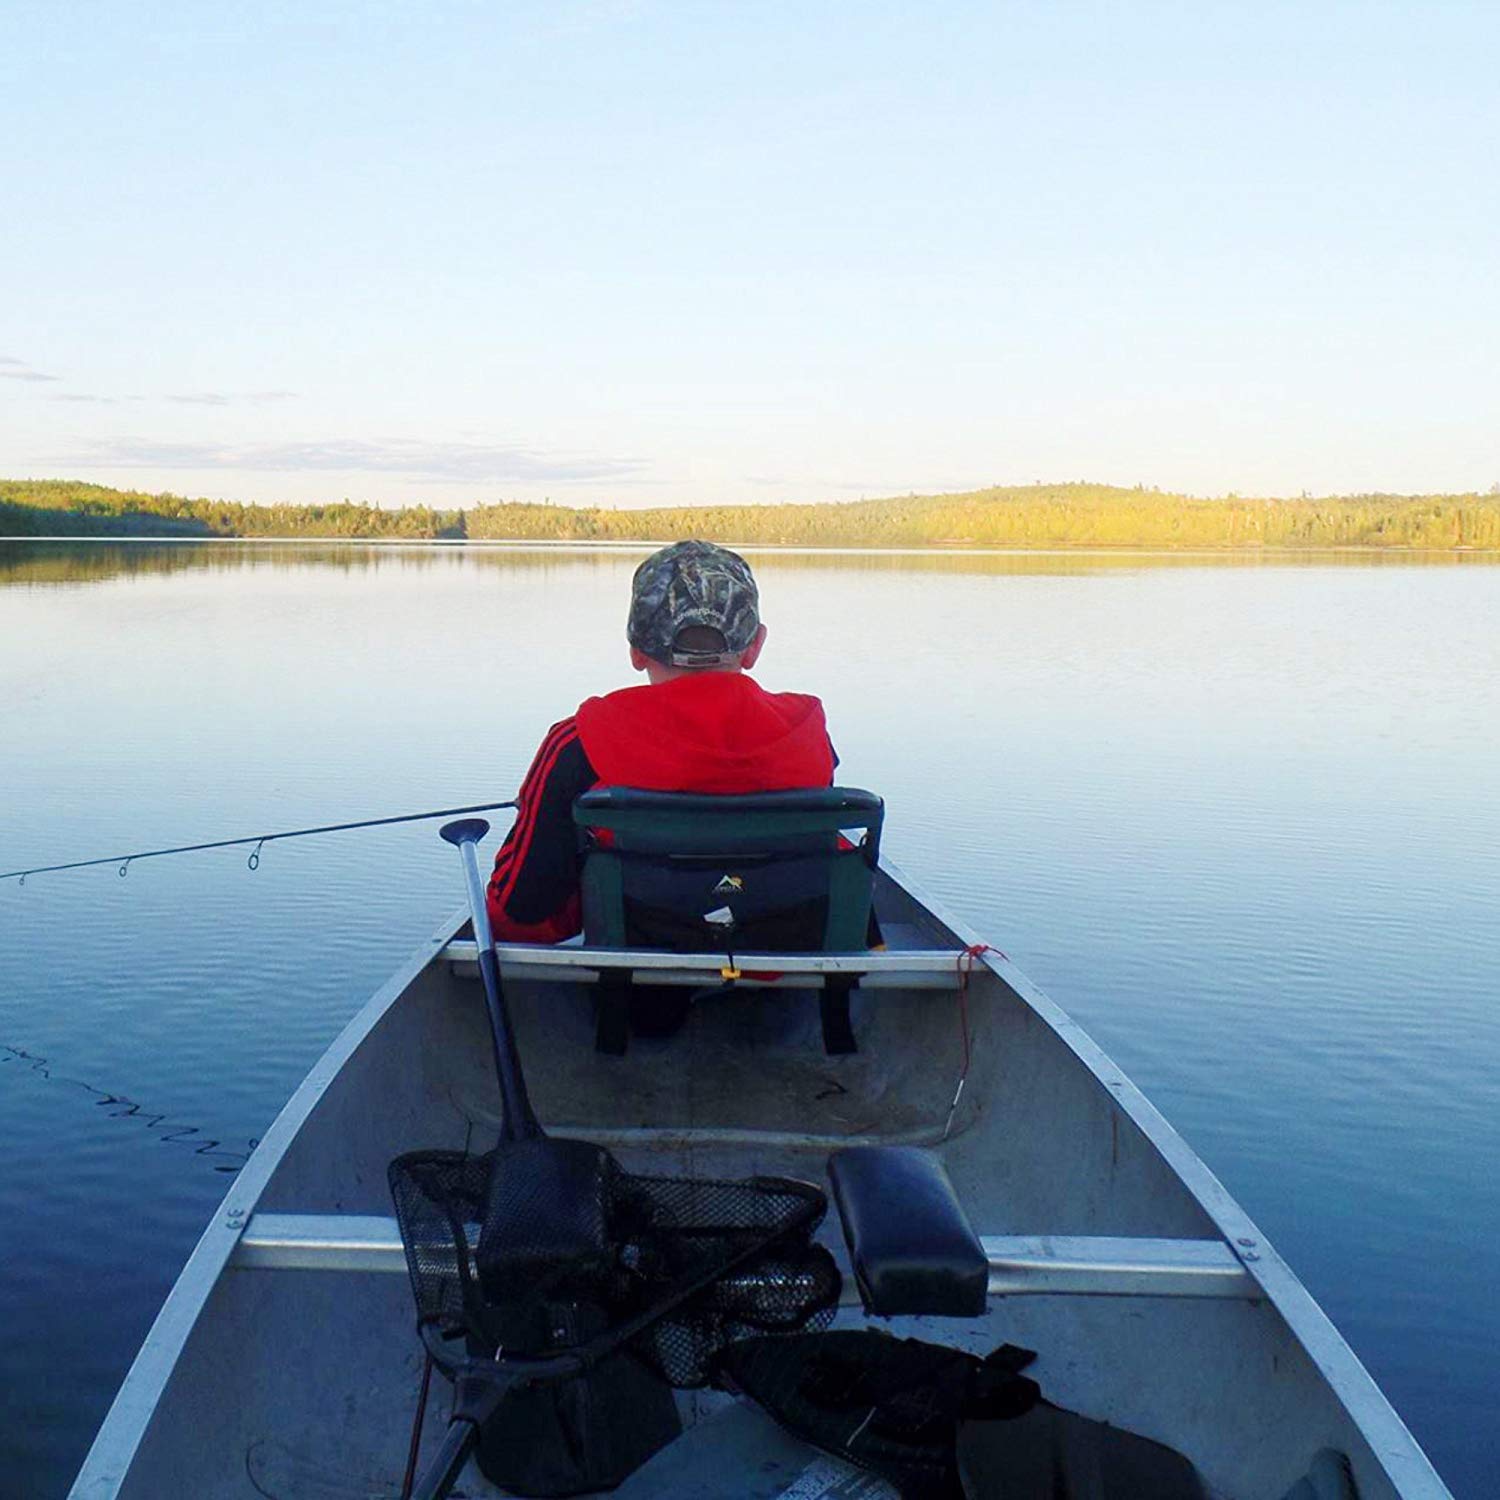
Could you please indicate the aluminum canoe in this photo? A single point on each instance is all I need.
(284, 1361)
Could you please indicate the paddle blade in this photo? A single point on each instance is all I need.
(546, 1219)
(464, 830)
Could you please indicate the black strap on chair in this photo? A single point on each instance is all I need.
(833, 1007)
(612, 1022)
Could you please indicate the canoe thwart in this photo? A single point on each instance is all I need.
(1102, 1265)
(1018, 1265)
(918, 968)
(320, 1242)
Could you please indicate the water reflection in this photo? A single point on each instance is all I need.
(24, 562)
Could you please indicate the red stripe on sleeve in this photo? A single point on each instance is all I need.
(512, 853)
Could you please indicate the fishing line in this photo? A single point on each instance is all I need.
(122, 1107)
(260, 840)
(222, 1157)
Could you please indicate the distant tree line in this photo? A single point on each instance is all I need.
(57, 507)
(1030, 516)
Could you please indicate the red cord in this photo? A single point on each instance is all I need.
(965, 968)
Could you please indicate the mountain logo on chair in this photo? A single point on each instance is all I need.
(730, 885)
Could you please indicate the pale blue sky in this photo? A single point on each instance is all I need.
(688, 252)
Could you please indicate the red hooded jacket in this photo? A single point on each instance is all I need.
(716, 732)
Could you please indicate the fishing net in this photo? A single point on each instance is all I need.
(547, 1253)
(495, 1249)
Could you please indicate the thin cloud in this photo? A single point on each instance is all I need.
(479, 463)
(879, 488)
(18, 369)
(233, 398)
(80, 396)
(584, 16)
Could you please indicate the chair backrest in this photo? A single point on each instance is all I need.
(769, 871)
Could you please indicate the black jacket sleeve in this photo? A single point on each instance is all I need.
(533, 891)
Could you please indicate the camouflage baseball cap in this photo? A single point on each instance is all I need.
(693, 583)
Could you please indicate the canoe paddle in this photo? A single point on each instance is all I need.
(544, 1214)
(556, 1217)
(520, 1120)
(545, 1207)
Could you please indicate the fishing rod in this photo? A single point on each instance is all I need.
(258, 839)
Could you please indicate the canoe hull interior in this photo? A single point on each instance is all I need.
(303, 1382)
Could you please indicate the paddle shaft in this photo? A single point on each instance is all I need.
(520, 1120)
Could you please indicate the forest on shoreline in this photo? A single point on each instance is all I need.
(1025, 516)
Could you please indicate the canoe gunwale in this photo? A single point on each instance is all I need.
(1390, 1440)
(119, 1437)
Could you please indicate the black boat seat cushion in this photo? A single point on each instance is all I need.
(911, 1244)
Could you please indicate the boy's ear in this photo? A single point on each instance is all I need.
(751, 652)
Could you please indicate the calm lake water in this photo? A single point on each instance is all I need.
(1241, 817)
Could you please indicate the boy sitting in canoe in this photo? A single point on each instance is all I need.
(700, 724)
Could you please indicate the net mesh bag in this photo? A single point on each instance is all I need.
(494, 1248)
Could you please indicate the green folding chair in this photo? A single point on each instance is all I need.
(769, 872)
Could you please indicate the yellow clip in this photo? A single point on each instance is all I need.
(729, 975)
